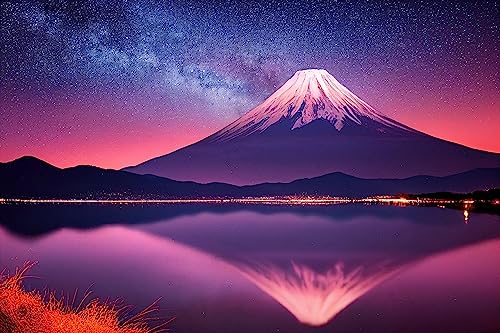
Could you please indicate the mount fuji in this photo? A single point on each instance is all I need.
(311, 126)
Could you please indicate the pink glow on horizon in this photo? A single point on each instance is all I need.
(114, 132)
(460, 114)
(453, 124)
(116, 154)
(116, 151)
(82, 132)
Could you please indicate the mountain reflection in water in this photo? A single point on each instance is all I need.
(314, 298)
(263, 270)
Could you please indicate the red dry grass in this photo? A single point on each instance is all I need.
(22, 311)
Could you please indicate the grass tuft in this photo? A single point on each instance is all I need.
(31, 311)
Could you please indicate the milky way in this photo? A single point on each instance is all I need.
(113, 83)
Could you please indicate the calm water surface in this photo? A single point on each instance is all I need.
(346, 268)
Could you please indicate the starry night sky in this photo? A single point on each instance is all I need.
(113, 83)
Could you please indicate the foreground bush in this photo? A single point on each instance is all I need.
(22, 312)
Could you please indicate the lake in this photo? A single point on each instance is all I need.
(237, 268)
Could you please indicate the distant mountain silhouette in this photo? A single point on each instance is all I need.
(29, 177)
(340, 184)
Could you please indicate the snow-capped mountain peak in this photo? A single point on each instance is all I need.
(312, 126)
(309, 95)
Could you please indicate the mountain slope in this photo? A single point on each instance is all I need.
(311, 126)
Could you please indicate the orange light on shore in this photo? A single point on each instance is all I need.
(265, 200)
